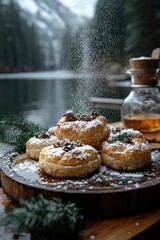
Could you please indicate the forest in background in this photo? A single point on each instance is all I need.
(19, 45)
(120, 29)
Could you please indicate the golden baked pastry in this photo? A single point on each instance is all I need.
(91, 128)
(69, 159)
(126, 149)
(51, 130)
(39, 141)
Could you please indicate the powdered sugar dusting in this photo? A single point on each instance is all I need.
(102, 179)
(91, 124)
(82, 125)
(141, 58)
(127, 140)
(50, 150)
(131, 131)
(123, 147)
(38, 141)
(82, 152)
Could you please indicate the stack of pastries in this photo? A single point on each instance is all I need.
(79, 144)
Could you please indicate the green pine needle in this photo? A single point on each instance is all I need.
(46, 219)
(16, 131)
(123, 136)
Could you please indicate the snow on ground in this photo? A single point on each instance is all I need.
(81, 7)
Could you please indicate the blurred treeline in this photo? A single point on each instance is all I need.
(19, 45)
(120, 29)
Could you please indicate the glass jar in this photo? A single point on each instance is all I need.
(141, 109)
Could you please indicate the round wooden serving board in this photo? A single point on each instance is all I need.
(106, 192)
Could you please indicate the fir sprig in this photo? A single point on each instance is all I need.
(122, 136)
(17, 131)
(46, 219)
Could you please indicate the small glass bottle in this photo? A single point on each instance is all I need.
(141, 109)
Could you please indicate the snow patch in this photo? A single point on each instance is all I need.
(29, 6)
(83, 7)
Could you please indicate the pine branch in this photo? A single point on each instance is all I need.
(122, 136)
(46, 219)
(6, 141)
(17, 131)
(19, 123)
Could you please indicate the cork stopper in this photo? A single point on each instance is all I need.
(144, 71)
(144, 63)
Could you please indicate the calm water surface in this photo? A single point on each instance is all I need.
(45, 101)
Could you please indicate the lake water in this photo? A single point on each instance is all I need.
(44, 97)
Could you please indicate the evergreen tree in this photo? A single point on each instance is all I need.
(73, 48)
(19, 46)
(108, 30)
(68, 50)
(102, 37)
(157, 23)
(2, 39)
(141, 27)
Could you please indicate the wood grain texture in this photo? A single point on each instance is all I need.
(144, 225)
(140, 226)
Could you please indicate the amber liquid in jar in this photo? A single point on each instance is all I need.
(142, 122)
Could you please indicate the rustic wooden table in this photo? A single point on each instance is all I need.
(144, 225)
(139, 226)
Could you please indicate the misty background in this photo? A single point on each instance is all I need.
(97, 35)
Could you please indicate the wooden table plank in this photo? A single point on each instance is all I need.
(139, 226)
